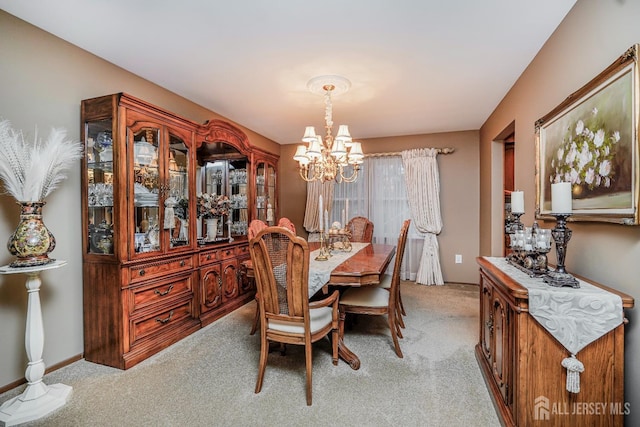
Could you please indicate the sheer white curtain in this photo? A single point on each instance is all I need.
(380, 194)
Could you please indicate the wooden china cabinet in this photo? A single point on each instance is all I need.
(153, 270)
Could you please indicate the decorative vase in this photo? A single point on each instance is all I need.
(212, 228)
(31, 242)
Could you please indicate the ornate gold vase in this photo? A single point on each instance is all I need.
(31, 242)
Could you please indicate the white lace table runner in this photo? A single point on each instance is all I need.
(320, 271)
(575, 317)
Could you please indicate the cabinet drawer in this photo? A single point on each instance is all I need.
(159, 292)
(159, 268)
(161, 320)
(221, 254)
(242, 251)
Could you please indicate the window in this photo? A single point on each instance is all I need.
(380, 194)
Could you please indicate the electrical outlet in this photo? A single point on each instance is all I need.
(458, 259)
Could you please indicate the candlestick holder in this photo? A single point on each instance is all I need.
(561, 236)
(516, 224)
(323, 253)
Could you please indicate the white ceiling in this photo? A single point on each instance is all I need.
(415, 66)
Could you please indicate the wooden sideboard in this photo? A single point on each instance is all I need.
(521, 362)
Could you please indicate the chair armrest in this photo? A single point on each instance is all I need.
(330, 300)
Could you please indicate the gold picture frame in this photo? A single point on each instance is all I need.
(591, 140)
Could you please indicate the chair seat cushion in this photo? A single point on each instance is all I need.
(366, 297)
(385, 282)
(319, 318)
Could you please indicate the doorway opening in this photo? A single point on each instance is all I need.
(509, 186)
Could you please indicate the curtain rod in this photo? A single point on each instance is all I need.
(447, 150)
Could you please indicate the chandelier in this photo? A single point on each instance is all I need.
(329, 159)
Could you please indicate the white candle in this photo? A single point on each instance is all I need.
(326, 220)
(517, 201)
(320, 211)
(561, 198)
(346, 213)
(343, 218)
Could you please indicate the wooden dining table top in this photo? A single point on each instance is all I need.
(365, 267)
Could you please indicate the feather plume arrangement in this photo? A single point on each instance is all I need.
(32, 170)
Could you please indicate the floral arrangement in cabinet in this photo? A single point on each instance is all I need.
(212, 205)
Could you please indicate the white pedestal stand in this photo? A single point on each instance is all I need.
(38, 399)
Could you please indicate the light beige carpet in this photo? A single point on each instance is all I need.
(208, 379)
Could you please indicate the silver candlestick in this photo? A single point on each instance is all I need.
(561, 236)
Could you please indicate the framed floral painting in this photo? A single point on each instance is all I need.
(591, 140)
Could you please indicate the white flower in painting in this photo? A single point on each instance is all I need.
(579, 127)
(590, 176)
(607, 182)
(571, 155)
(616, 136)
(599, 138)
(594, 111)
(605, 168)
(574, 176)
(584, 158)
(560, 153)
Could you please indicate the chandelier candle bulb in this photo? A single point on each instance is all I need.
(561, 198)
(517, 201)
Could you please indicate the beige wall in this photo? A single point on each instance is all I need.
(592, 36)
(43, 81)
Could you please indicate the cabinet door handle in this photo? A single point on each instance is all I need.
(163, 321)
(182, 263)
(160, 293)
(208, 257)
(141, 272)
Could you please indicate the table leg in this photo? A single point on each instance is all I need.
(343, 351)
(37, 399)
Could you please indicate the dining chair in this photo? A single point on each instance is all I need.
(247, 267)
(375, 300)
(361, 229)
(286, 222)
(385, 283)
(281, 267)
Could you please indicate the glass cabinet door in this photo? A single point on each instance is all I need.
(99, 161)
(239, 214)
(176, 202)
(221, 184)
(266, 193)
(146, 188)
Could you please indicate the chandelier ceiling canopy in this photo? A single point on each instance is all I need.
(328, 159)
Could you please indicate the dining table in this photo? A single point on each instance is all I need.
(364, 265)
